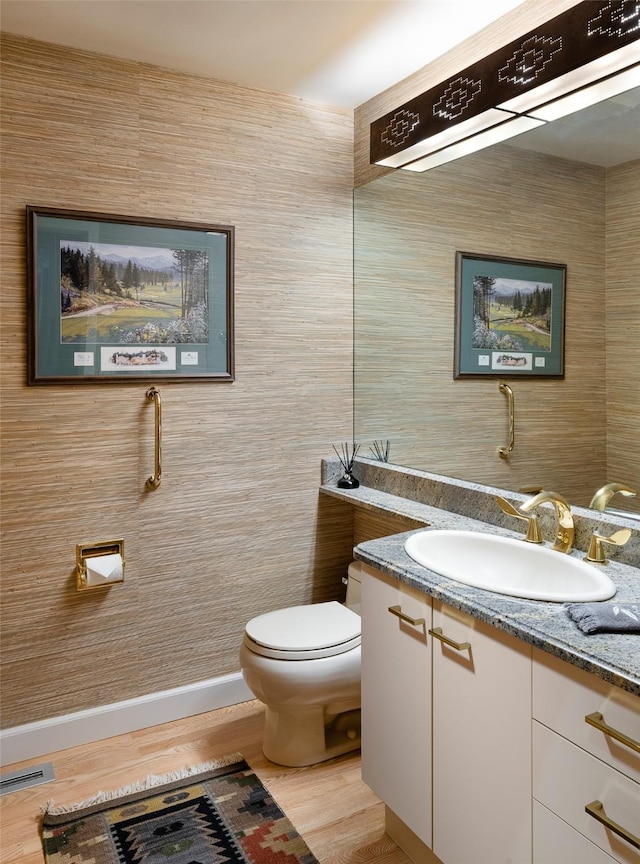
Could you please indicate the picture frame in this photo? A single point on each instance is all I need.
(509, 317)
(119, 298)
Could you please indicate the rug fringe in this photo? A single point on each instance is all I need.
(142, 785)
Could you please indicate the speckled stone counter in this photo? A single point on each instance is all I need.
(613, 657)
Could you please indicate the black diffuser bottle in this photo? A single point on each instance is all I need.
(348, 481)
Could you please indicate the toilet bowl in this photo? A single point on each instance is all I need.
(303, 663)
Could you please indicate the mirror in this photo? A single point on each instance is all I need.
(567, 193)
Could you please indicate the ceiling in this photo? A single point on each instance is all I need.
(340, 52)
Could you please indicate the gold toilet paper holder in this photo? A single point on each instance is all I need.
(86, 551)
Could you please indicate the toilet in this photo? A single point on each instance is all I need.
(303, 663)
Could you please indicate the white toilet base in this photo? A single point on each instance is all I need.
(311, 706)
(304, 737)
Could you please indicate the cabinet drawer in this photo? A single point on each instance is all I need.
(555, 842)
(564, 695)
(566, 779)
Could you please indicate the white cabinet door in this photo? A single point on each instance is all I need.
(396, 699)
(481, 743)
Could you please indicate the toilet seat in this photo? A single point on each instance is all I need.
(304, 632)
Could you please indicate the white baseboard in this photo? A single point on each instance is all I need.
(44, 737)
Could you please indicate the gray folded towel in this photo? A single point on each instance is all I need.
(605, 617)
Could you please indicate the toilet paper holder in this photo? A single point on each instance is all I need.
(87, 551)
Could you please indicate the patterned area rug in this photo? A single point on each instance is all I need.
(220, 815)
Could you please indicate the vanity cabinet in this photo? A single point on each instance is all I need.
(463, 784)
(481, 742)
(583, 763)
(488, 750)
(396, 698)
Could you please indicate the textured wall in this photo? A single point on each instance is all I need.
(623, 329)
(236, 527)
(408, 227)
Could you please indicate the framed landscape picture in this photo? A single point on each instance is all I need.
(115, 298)
(509, 317)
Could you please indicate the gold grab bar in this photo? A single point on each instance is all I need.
(504, 451)
(597, 721)
(596, 809)
(397, 610)
(154, 481)
(437, 633)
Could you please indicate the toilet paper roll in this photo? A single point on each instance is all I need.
(103, 569)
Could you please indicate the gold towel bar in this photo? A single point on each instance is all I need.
(154, 481)
(504, 451)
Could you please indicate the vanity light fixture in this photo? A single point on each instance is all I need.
(585, 55)
(494, 135)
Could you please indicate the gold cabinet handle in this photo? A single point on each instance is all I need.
(597, 720)
(397, 611)
(437, 633)
(596, 809)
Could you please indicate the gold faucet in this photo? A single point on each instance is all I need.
(565, 531)
(602, 497)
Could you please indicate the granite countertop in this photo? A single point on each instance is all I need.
(612, 657)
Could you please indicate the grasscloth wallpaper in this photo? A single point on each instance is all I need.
(237, 527)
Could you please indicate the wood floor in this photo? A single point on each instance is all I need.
(340, 818)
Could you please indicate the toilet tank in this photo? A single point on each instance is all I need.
(353, 580)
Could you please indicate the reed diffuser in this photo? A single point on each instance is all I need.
(380, 450)
(347, 481)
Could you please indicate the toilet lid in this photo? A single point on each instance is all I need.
(305, 632)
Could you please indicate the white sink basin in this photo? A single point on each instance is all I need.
(509, 566)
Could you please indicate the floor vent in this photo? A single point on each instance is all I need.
(26, 777)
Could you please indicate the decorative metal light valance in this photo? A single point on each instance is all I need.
(550, 71)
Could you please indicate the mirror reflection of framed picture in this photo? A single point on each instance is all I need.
(115, 298)
(509, 317)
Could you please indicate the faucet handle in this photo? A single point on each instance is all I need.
(595, 552)
(533, 535)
